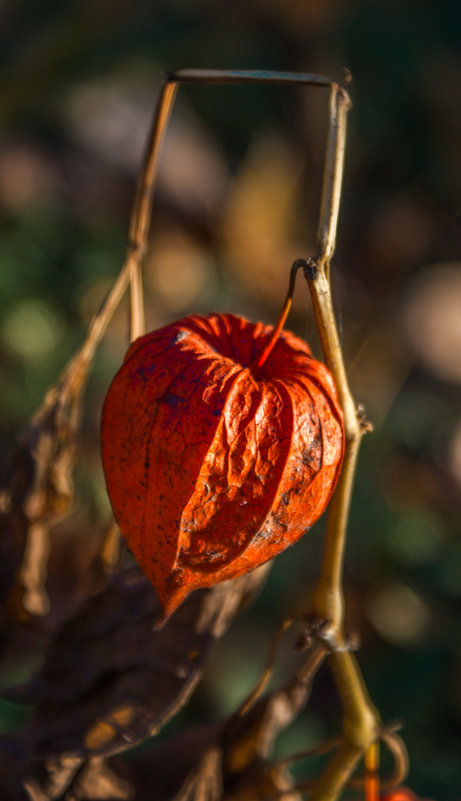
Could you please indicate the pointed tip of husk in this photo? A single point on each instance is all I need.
(170, 601)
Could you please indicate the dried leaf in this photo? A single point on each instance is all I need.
(52, 779)
(263, 783)
(250, 737)
(232, 755)
(39, 489)
(160, 772)
(97, 782)
(110, 680)
(204, 783)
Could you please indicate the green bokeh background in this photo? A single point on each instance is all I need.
(64, 203)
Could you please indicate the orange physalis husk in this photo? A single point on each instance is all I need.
(213, 465)
(401, 794)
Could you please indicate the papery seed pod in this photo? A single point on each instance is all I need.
(213, 466)
(401, 794)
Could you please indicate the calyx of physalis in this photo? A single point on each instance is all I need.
(221, 446)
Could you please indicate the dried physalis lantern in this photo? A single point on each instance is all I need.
(216, 458)
(401, 794)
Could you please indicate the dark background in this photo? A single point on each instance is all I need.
(237, 202)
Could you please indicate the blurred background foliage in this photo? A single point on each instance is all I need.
(237, 202)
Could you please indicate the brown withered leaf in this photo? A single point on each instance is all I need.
(38, 487)
(207, 763)
(97, 782)
(262, 780)
(229, 760)
(186, 767)
(204, 782)
(48, 781)
(110, 680)
(263, 783)
(234, 766)
(79, 779)
(249, 737)
(39, 491)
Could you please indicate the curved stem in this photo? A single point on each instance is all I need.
(283, 314)
(142, 207)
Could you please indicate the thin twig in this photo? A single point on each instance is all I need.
(399, 752)
(297, 265)
(318, 750)
(71, 374)
(142, 207)
(266, 674)
(333, 173)
(400, 767)
(204, 76)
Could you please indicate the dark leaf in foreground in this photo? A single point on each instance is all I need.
(110, 680)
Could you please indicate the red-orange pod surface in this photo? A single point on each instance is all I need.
(213, 465)
(401, 794)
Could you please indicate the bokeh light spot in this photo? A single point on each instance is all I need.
(31, 329)
(399, 615)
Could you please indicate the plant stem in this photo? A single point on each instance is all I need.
(142, 208)
(283, 314)
(360, 719)
(328, 601)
